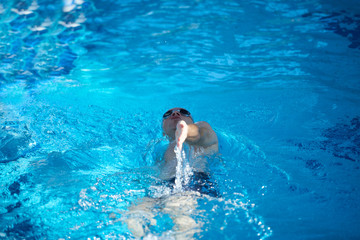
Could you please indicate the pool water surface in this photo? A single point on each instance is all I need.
(83, 87)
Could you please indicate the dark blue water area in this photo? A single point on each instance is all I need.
(83, 86)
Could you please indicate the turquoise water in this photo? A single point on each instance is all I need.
(83, 86)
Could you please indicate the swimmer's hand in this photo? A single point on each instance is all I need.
(181, 133)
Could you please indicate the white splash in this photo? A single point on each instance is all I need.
(183, 170)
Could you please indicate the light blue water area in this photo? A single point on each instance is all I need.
(83, 86)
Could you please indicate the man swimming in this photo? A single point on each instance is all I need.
(178, 125)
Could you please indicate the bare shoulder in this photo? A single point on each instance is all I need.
(206, 126)
(208, 135)
(203, 124)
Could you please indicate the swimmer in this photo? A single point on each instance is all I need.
(179, 127)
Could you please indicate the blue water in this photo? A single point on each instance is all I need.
(83, 86)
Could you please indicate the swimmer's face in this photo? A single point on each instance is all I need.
(172, 117)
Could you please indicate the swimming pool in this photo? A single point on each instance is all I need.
(84, 85)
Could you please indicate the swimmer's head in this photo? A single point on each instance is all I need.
(172, 117)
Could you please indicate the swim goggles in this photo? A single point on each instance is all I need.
(182, 111)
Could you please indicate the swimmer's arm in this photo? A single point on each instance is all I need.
(200, 134)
